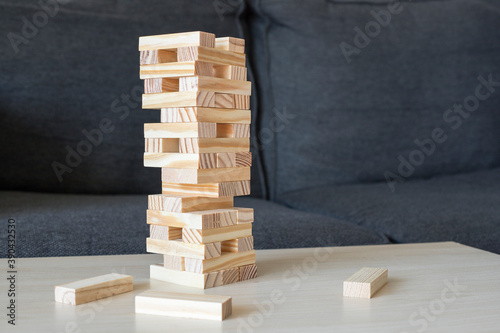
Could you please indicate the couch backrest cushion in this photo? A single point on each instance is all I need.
(359, 91)
(69, 84)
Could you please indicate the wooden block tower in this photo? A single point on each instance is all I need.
(202, 146)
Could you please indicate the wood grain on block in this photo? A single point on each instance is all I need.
(234, 160)
(164, 232)
(230, 44)
(233, 130)
(154, 86)
(187, 203)
(226, 235)
(179, 99)
(231, 101)
(230, 72)
(179, 130)
(365, 282)
(240, 244)
(245, 215)
(215, 84)
(206, 219)
(211, 55)
(176, 70)
(225, 261)
(230, 275)
(173, 41)
(195, 280)
(187, 250)
(213, 190)
(204, 176)
(94, 288)
(241, 102)
(173, 262)
(208, 115)
(149, 57)
(197, 161)
(162, 145)
(213, 145)
(193, 306)
(248, 272)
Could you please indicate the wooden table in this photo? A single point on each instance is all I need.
(434, 287)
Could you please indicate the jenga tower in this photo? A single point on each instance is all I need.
(203, 147)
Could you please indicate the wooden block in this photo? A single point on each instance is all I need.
(163, 303)
(208, 115)
(212, 190)
(187, 203)
(230, 44)
(173, 262)
(240, 244)
(154, 86)
(187, 250)
(177, 70)
(230, 275)
(245, 215)
(230, 72)
(224, 261)
(149, 57)
(197, 161)
(215, 84)
(226, 235)
(206, 219)
(164, 232)
(233, 130)
(365, 282)
(94, 288)
(213, 145)
(195, 280)
(179, 130)
(234, 160)
(180, 99)
(231, 101)
(162, 145)
(173, 41)
(248, 272)
(203, 176)
(211, 55)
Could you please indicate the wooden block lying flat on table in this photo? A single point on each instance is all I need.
(197, 161)
(203, 176)
(163, 303)
(212, 55)
(179, 130)
(245, 215)
(177, 70)
(227, 234)
(224, 261)
(184, 204)
(213, 145)
(94, 288)
(248, 272)
(213, 190)
(173, 41)
(206, 219)
(189, 279)
(187, 250)
(365, 282)
(230, 44)
(215, 84)
(209, 115)
(164, 232)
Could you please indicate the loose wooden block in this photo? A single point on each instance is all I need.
(206, 219)
(177, 70)
(248, 272)
(173, 262)
(179, 130)
(226, 235)
(184, 204)
(240, 244)
(224, 261)
(230, 44)
(94, 288)
(213, 190)
(164, 232)
(203, 176)
(149, 57)
(197, 161)
(215, 84)
(245, 215)
(173, 41)
(211, 55)
(162, 145)
(183, 278)
(365, 282)
(208, 115)
(179, 248)
(163, 303)
(213, 145)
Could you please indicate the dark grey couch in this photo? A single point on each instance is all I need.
(373, 122)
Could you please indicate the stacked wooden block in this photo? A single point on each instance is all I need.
(202, 146)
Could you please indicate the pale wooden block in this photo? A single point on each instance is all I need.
(173, 41)
(183, 278)
(163, 303)
(365, 282)
(197, 161)
(179, 130)
(186, 203)
(230, 275)
(162, 145)
(245, 215)
(179, 99)
(206, 219)
(240, 244)
(213, 190)
(230, 44)
(187, 250)
(224, 261)
(94, 288)
(230, 72)
(211, 55)
(173, 262)
(231, 101)
(203, 176)
(213, 145)
(176, 70)
(215, 84)
(227, 235)
(149, 57)
(208, 115)
(248, 272)
(164, 232)
(241, 102)
(234, 160)
(161, 85)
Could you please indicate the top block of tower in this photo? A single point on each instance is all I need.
(173, 41)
